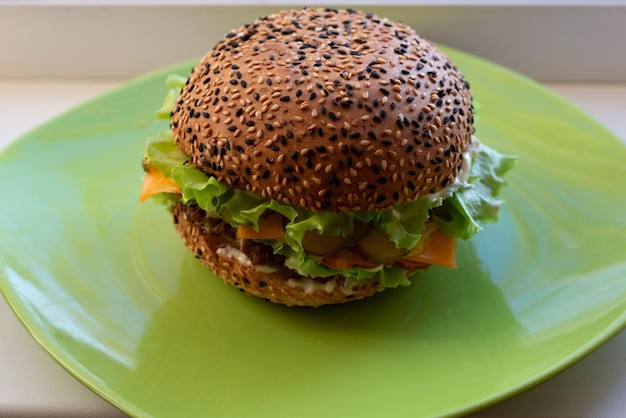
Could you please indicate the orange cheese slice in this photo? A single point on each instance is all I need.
(154, 183)
(270, 227)
(440, 250)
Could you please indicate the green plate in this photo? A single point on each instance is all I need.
(106, 287)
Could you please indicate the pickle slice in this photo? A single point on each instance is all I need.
(377, 246)
(323, 244)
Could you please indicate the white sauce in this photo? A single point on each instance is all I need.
(348, 285)
(309, 285)
(266, 269)
(462, 176)
(241, 258)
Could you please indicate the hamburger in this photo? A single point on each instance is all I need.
(319, 156)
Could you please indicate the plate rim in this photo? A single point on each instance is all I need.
(85, 377)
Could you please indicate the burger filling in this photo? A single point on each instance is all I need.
(390, 244)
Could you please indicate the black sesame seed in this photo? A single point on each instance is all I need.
(284, 98)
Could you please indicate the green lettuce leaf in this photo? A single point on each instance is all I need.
(477, 202)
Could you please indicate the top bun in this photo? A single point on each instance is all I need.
(329, 110)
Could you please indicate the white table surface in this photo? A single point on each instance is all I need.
(32, 384)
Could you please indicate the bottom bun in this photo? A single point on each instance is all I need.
(273, 283)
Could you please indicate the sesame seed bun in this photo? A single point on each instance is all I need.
(327, 110)
(274, 285)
